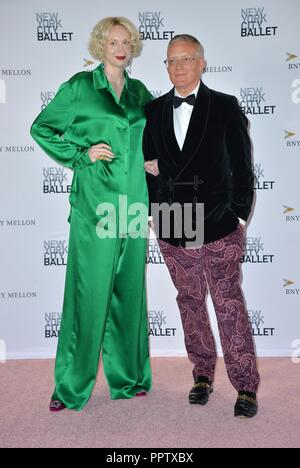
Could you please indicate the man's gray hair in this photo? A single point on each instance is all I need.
(189, 38)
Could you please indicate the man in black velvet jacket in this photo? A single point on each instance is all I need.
(198, 151)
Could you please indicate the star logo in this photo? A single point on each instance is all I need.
(287, 209)
(287, 282)
(289, 134)
(88, 62)
(290, 57)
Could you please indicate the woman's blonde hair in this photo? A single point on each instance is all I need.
(101, 31)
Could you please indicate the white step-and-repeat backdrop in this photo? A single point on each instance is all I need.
(253, 51)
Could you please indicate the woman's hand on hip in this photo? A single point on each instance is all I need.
(102, 152)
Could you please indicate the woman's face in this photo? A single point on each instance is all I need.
(118, 48)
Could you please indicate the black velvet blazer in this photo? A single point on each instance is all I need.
(214, 166)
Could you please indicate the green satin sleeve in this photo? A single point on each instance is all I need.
(49, 127)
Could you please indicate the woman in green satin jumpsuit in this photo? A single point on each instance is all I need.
(94, 125)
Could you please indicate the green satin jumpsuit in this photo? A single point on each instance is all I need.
(104, 303)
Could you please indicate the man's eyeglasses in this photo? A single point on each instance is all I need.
(186, 61)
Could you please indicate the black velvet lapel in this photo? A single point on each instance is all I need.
(197, 127)
(167, 130)
(195, 133)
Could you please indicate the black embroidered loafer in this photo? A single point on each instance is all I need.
(246, 405)
(200, 391)
(56, 405)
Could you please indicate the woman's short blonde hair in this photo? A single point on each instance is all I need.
(102, 30)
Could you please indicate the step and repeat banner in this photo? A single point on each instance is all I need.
(253, 52)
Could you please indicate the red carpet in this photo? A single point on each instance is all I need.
(162, 419)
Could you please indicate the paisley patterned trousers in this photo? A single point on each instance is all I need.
(214, 267)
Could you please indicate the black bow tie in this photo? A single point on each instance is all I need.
(177, 101)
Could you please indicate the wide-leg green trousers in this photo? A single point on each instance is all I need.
(104, 308)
